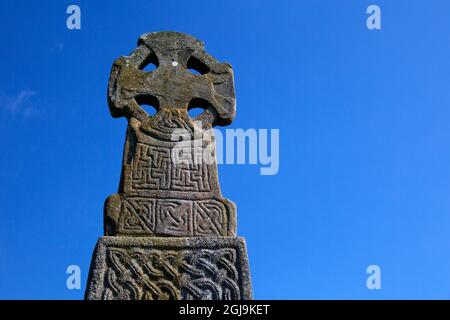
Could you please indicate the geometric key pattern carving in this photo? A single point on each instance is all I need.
(153, 169)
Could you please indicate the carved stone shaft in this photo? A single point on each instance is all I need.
(167, 190)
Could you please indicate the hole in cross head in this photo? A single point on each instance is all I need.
(195, 66)
(195, 112)
(150, 63)
(148, 102)
(197, 107)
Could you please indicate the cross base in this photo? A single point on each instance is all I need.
(149, 268)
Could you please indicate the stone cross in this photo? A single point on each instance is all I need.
(169, 233)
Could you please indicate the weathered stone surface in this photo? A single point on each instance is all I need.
(158, 196)
(169, 232)
(170, 268)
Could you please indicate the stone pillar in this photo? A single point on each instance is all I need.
(169, 233)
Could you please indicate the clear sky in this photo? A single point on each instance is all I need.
(364, 140)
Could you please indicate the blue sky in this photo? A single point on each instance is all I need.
(364, 140)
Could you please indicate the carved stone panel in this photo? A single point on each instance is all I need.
(174, 217)
(148, 268)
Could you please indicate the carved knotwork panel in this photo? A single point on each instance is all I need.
(140, 274)
(129, 269)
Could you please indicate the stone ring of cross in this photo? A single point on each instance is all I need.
(171, 88)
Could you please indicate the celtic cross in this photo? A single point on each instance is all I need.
(158, 196)
(169, 233)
